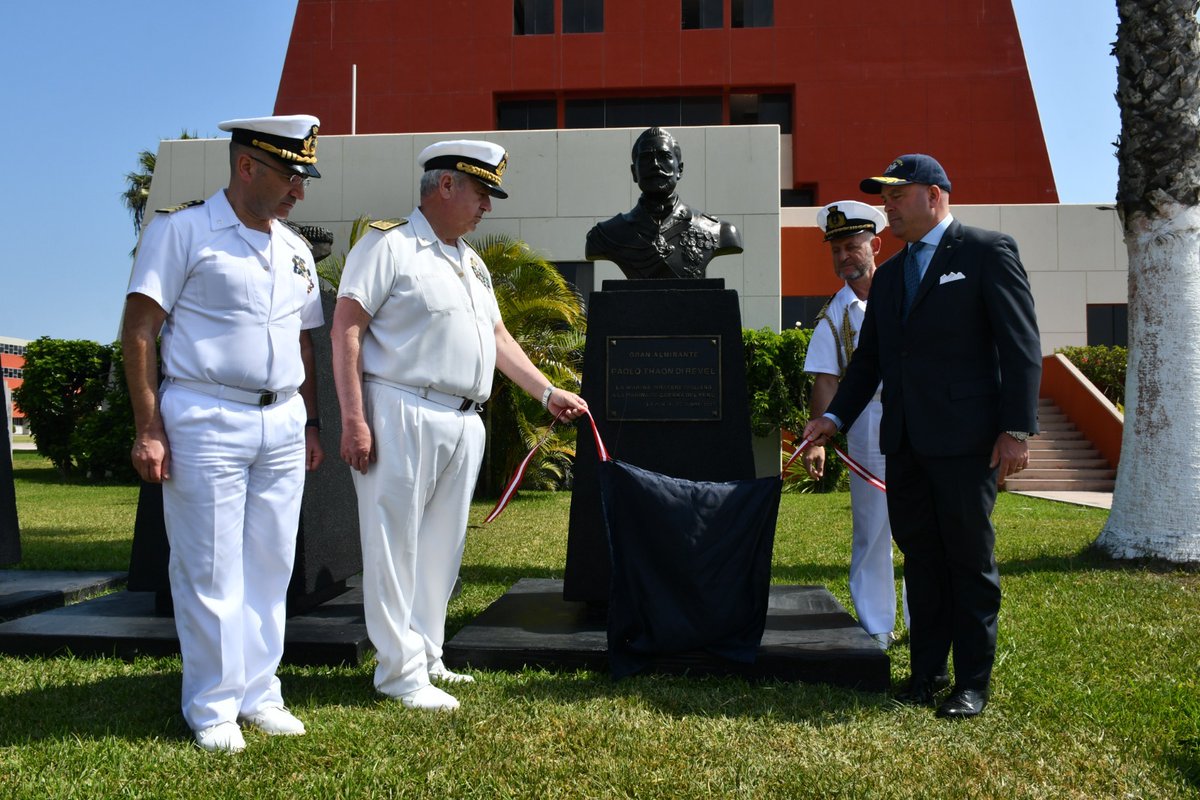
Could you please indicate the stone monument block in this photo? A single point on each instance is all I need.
(664, 374)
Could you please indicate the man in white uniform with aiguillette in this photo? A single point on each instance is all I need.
(234, 425)
(417, 337)
(852, 228)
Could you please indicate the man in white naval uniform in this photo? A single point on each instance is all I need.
(234, 426)
(850, 228)
(417, 336)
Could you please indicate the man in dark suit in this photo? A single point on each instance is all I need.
(950, 330)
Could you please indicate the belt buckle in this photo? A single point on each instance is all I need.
(466, 404)
(266, 398)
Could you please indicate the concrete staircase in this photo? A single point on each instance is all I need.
(1061, 459)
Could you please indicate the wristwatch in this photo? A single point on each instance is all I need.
(1020, 436)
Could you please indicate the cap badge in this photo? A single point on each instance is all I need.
(835, 220)
(897, 164)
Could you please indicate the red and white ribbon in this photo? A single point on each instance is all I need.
(514, 482)
(855, 467)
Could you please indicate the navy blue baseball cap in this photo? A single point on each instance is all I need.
(912, 168)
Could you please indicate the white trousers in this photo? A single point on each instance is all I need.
(872, 580)
(232, 508)
(412, 511)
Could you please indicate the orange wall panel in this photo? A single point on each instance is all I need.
(862, 95)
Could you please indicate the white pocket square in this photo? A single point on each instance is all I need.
(951, 276)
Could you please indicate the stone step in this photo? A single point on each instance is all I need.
(1067, 462)
(1045, 418)
(1015, 484)
(1040, 443)
(1060, 435)
(1036, 473)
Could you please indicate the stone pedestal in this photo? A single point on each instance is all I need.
(10, 530)
(664, 374)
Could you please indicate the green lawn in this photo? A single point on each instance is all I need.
(1096, 691)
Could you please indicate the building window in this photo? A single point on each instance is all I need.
(526, 115)
(533, 16)
(643, 112)
(804, 196)
(1108, 325)
(752, 13)
(702, 14)
(583, 16)
(761, 109)
(800, 312)
(581, 275)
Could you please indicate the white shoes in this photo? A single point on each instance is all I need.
(274, 721)
(884, 639)
(441, 673)
(429, 698)
(224, 737)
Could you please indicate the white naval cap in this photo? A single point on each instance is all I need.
(291, 139)
(482, 160)
(848, 217)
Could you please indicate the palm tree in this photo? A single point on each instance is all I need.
(1156, 505)
(137, 190)
(545, 315)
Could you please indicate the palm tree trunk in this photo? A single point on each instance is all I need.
(1156, 505)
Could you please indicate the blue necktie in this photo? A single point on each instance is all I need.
(912, 276)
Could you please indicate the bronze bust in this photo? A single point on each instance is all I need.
(661, 237)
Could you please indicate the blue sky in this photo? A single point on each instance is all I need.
(88, 85)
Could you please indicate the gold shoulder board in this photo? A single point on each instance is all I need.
(180, 207)
(388, 224)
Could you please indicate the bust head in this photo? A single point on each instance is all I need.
(657, 162)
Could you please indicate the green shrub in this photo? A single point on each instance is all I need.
(64, 382)
(1104, 366)
(780, 390)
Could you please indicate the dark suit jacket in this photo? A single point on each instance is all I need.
(965, 365)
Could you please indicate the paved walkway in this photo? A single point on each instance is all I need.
(1093, 499)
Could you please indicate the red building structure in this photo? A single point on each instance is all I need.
(851, 87)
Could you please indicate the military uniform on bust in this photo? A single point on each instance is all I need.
(661, 237)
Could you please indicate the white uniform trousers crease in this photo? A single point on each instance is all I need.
(872, 578)
(413, 505)
(233, 499)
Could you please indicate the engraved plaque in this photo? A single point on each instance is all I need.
(663, 378)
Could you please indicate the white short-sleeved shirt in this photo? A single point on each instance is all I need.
(236, 299)
(433, 312)
(846, 312)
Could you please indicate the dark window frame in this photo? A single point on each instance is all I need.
(583, 16)
(533, 17)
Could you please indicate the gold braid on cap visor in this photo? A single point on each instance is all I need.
(308, 156)
(478, 172)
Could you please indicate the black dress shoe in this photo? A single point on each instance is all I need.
(963, 704)
(921, 689)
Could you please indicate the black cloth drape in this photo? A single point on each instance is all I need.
(691, 564)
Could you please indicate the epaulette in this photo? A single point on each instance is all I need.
(388, 224)
(180, 207)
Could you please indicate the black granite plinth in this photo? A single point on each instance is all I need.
(28, 591)
(809, 638)
(327, 544)
(126, 625)
(10, 530)
(716, 449)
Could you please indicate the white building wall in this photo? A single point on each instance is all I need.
(560, 183)
(563, 182)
